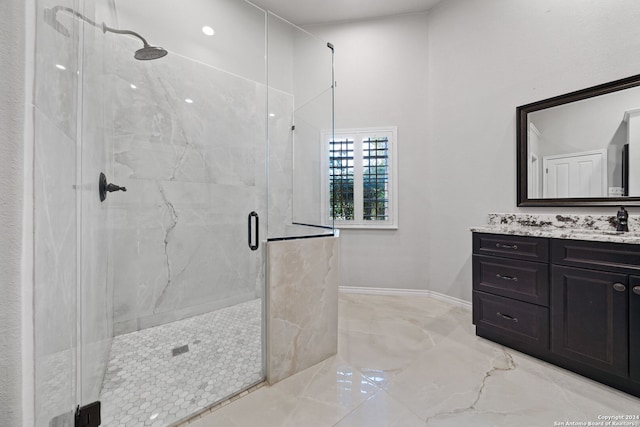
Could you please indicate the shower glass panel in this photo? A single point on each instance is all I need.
(95, 154)
(151, 300)
(300, 75)
(56, 220)
(187, 136)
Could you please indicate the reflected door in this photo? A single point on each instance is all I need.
(575, 175)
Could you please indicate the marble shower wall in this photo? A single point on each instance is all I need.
(302, 304)
(193, 170)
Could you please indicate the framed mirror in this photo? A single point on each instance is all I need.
(581, 148)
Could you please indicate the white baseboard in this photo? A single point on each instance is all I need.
(405, 292)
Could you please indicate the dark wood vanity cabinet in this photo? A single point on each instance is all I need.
(577, 305)
(589, 318)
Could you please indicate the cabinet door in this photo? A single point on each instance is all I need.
(589, 322)
(634, 328)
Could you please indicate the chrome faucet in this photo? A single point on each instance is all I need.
(623, 217)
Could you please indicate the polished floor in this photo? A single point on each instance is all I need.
(415, 361)
(161, 375)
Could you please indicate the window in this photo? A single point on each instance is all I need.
(361, 184)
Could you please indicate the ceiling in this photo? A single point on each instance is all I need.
(304, 12)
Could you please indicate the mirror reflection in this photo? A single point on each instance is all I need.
(582, 149)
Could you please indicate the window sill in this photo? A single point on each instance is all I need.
(365, 227)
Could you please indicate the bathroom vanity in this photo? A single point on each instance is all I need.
(566, 295)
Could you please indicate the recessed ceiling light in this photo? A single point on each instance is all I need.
(60, 67)
(189, 101)
(271, 115)
(133, 86)
(208, 30)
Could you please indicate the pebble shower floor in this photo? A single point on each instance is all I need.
(147, 385)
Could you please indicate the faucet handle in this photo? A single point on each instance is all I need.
(623, 217)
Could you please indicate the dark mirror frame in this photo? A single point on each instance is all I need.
(522, 125)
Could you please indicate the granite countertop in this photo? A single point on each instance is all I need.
(575, 227)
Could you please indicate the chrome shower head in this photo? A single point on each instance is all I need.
(150, 52)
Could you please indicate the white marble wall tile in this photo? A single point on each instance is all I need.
(302, 304)
(182, 245)
(219, 137)
(193, 171)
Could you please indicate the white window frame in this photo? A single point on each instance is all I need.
(358, 135)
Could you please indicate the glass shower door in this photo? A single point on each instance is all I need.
(172, 269)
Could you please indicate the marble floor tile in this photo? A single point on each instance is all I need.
(415, 361)
(381, 410)
(161, 375)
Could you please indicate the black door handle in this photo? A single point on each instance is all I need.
(257, 233)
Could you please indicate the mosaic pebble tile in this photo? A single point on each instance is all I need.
(145, 385)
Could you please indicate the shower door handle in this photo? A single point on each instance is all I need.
(257, 231)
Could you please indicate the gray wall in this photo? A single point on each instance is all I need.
(451, 80)
(12, 107)
(485, 58)
(381, 80)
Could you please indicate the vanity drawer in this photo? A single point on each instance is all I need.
(522, 280)
(518, 247)
(615, 257)
(517, 323)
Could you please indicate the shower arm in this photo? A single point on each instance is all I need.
(104, 27)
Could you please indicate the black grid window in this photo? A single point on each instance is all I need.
(341, 179)
(361, 189)
(375, 179)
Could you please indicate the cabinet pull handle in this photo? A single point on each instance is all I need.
(503, 246)
(636, 290)
(619, 287)
(506, 316)
(513, 279)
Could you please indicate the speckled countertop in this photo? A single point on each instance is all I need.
(577, 227)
